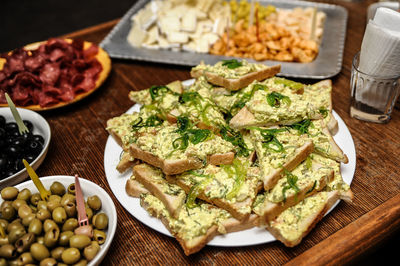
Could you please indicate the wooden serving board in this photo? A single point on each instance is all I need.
(349, 231)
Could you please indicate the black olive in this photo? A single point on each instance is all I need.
(14, 151)
(28, 124)
(38, 138)
(26, 136)
(9, 172)
(30, 158)
(18, 142)
(2, 143)
(11, 126)
(13, 134)
(18, 165)
(2, 132)
(35, 147)
(2, 121)
(3, 163)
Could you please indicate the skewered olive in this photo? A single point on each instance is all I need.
(24, 243)
(24, 194)
(51, 237)
(39, 251)
(8, 251)
(64, 238)
(43, 214)
(25, 258)
(56, 253)
(70, 225)
(28, 219)
(8, 212)
(48, 262)
(9, 193)
(100, 221)
(91, 251)
(24, 211)
(59, 215)
(48, 225)
(57, 188)
(15, 234)
(35, 227)
(79, 241)
(71, 189)
(70, 209)
(35, 198)
(71, 255)
(94, 202)
(99, 236)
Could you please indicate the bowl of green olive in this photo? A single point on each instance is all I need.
(37, 231)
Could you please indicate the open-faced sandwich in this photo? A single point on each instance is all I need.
(231, 152)
(53, 73)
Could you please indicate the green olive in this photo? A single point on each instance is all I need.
(9, 193)
(57, 188)
(71, 189)
(71, 255)
(70, 209)
(24, 211)
(8, 213)
(24, 243)
(43, 214)
(100, 221)
(5, 203)
(3, 223)
(48, 262)
(4, 240)
(64, 238)
(59, 215)
(24, 194)
(18, 203)
(67, 198)
(15, 234)
(49, 224)
(70, 224)
(56, 253)
(89, 213)
(91, 251)
(25, 258)
(79, 241)
(40, 240)
(35, 227)
(56, 198)
(8, 251)
(28, 219)
(82, 262)
(94, 202)
(35, 198)
(14, 224)
(51, 237)
(42, 205)
(99, 236)
(51, 205)
(39, 251)
(3, 262)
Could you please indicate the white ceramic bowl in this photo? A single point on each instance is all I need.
(41, 127)
(88, 189)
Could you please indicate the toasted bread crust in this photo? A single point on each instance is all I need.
(133, 188)
(174, 167)
(236, 84)
(101, 56)
(308, 224)
(301, 155)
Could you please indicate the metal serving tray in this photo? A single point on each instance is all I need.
(327, 64)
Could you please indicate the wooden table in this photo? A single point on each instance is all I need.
(79, 138)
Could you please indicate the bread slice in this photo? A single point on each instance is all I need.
(310, 180)
(101, 56)
(212, 74)
(214, 185)
(191, 230)
(133, 188)
(172, 196)
(144, 97)
(126, 162)
(295, 149)
(292, 225)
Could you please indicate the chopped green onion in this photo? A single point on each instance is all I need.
(274, 99)
(232, 63)
(289, 83)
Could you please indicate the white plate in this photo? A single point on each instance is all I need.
(88, 189)
(248, 237)
(41, 127)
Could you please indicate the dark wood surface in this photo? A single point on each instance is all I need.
(79, 137)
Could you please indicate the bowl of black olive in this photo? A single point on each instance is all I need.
(14, 147)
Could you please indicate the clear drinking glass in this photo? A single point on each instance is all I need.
(372, 97)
